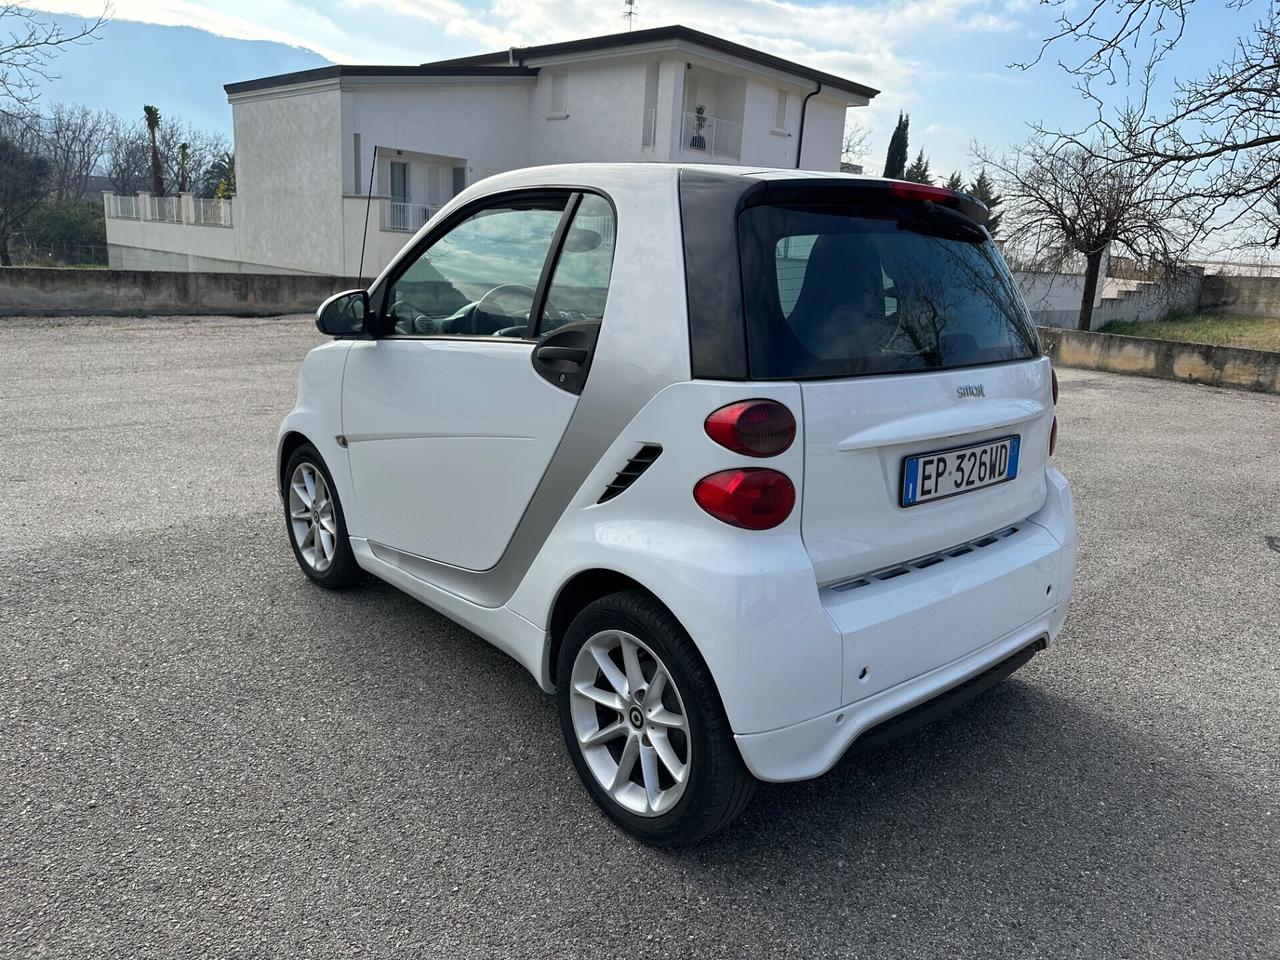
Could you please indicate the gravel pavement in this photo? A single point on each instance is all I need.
(201, 755)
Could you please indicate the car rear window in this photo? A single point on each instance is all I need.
(834, 293)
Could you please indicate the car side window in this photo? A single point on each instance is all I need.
(480, 278)
(580, 284)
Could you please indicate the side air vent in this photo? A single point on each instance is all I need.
(922, 563)
(631, 472)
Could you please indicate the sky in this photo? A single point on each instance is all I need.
(945, 62)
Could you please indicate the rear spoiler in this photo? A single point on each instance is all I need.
(846, 191)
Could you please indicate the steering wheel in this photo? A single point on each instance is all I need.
(419, 323)
(504, 289)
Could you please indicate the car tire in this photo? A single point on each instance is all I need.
(608, 723)
(315, 523)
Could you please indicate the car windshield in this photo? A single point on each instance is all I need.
(831, 293)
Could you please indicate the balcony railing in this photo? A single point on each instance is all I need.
(202, 212)
(646, 131)
(407, 217)
(168, 209)
(211, 213)
(123, 208)
(711, 135)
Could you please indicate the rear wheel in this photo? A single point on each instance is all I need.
(315, 523)
(644, 725)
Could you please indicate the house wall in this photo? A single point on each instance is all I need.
(759, 143)
(485, 124)
(823, 132)
(288, 179)
(605, 103)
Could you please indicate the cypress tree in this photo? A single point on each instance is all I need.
(918, 172)
(985, 190)
(895, 161)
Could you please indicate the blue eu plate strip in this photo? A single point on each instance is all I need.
(910, 481)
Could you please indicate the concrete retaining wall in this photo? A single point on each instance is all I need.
(1247, 296)
(39, 291)
(1166, 359)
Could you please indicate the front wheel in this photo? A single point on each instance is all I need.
(644, 725)
(317, 528)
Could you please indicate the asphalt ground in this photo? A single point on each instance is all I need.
(203, 755)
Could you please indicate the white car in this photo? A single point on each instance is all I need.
(747, 467)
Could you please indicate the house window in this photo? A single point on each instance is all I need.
(780, 112)
(399, 181)
(559, 96)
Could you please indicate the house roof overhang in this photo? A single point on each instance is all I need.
(340, 72)
(670, 36)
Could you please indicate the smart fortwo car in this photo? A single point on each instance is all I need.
(746, 467)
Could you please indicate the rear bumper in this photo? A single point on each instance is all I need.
(924, 638)
(811, 748)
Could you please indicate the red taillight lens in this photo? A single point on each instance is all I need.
(1054, 374)
(756, 428)
(904, 190)
(750, 497)
(1053, 436)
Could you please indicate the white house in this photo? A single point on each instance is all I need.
(313, 147)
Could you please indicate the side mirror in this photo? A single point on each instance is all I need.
(343, 314)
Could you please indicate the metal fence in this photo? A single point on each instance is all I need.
(167, 209)
(123, 208)
(406, 216)
(27, 254)
(211, 213)
(705, 134)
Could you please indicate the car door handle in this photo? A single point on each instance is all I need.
(571, 354)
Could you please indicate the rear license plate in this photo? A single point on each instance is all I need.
(947, 473)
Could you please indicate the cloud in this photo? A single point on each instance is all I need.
(877, 42)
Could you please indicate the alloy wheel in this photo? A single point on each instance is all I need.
(630, 723)
(311, 517)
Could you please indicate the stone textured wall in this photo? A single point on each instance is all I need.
(39, 291)
(1247, 296)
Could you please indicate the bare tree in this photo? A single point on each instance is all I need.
(127, 160)
(24, 179)
(1219, 135)
(75, 141)
(1070, 204)
(29, 42)
(856, 143)
(203, 148)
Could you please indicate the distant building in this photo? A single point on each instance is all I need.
(847, 167)
(312, 147)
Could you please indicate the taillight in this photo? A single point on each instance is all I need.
(904, 190)
(748, 497)
(1053, 431)
(756, 428)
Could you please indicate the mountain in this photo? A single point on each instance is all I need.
(179, 69)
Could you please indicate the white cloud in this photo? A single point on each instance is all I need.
(874, 42)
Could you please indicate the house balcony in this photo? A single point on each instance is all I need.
(404, 217)
(713, 136)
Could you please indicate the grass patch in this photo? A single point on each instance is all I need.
(1224, 330)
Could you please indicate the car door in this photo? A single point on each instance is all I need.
(453, 410)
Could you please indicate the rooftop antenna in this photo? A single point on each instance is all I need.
(630, 14)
